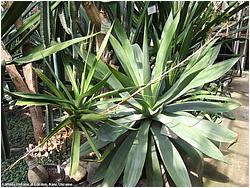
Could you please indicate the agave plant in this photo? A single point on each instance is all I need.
(164, 118)
(152, 129)
(79, 104)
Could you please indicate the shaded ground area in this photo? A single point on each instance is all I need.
(20, 135)
(236, 173)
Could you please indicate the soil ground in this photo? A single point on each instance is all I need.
(20, 134)
(236, 173)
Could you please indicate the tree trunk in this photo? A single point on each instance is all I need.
(35, 112)
(96, 17)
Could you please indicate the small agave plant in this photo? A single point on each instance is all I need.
(79, 103)
(163, 119)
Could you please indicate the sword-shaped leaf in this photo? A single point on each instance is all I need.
(70, 75)
(86, 148)
(41, 98)
(50, 84)
(123, 59)
(208, 74)
(12, 14)
(118, 162)
(136, 156)
(101, 170)
(49, 51)
(90, 140)
(171, 158)
(152, 166)
(75, 151)
(213, 107)
(206, 128)
(29, 23)
(98, 56)
(164, 49)
(93, 90)
(193, 137)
